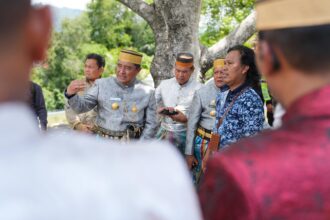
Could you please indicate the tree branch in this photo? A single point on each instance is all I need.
(140, 7)
(241, 34)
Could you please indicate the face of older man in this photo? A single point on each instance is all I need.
(219, 76)
(126, 72)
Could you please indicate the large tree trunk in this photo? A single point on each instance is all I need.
(175, 25)
(176, 30)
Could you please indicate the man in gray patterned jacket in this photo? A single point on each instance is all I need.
(126, 108)
(202, 118)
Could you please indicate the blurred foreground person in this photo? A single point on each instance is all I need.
(282, 174)
(73, 177)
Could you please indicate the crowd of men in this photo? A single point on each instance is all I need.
(279, 174)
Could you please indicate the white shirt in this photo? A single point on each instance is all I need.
(170, 93)
(70, 176)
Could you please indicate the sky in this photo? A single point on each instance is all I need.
(76, 4)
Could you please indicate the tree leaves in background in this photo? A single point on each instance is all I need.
(222, 16)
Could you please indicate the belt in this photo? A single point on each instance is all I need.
(204, 133)
(132, 132)
(108, 133)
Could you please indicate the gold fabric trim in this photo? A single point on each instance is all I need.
(277, 14)
(180, 64)
(130, 57)
(218, 63)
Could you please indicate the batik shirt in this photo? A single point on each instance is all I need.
(245, 118)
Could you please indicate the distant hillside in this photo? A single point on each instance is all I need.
(60, 13)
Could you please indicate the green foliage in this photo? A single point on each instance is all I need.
(114, 25)
(222, 16)
(110, 23)
(75, 40)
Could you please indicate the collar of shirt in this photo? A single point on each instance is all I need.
(224, 88)
(232, 94)
(191, 79)
(238, 89)
(89, 82)
(315, 104)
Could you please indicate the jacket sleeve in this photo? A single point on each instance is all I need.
(150, 118)
(87, 102)
(193, 119)
(41, 107)
(158, 96)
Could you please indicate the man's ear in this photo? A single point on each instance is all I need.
(245, 69)
(266, 60)
(101, 70)
(39, 27)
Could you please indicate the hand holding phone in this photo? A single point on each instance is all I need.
(165, 111)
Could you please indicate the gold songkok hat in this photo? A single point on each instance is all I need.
(185, 60)
(218, 63)
(130, 56)
(279, 14)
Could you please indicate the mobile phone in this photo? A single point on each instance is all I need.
(167, 112)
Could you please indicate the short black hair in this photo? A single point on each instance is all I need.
(99, 59)
(305, 48)
(248, 58)
(12, 15)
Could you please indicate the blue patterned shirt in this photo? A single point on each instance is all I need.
(245, 118)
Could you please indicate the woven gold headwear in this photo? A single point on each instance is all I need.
(278, 14)
(130, 56)
(218, 63)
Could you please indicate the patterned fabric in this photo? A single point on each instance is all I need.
(220, 102)
(177, 139)
(280, 174)
(245, 118)
(200, 147)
